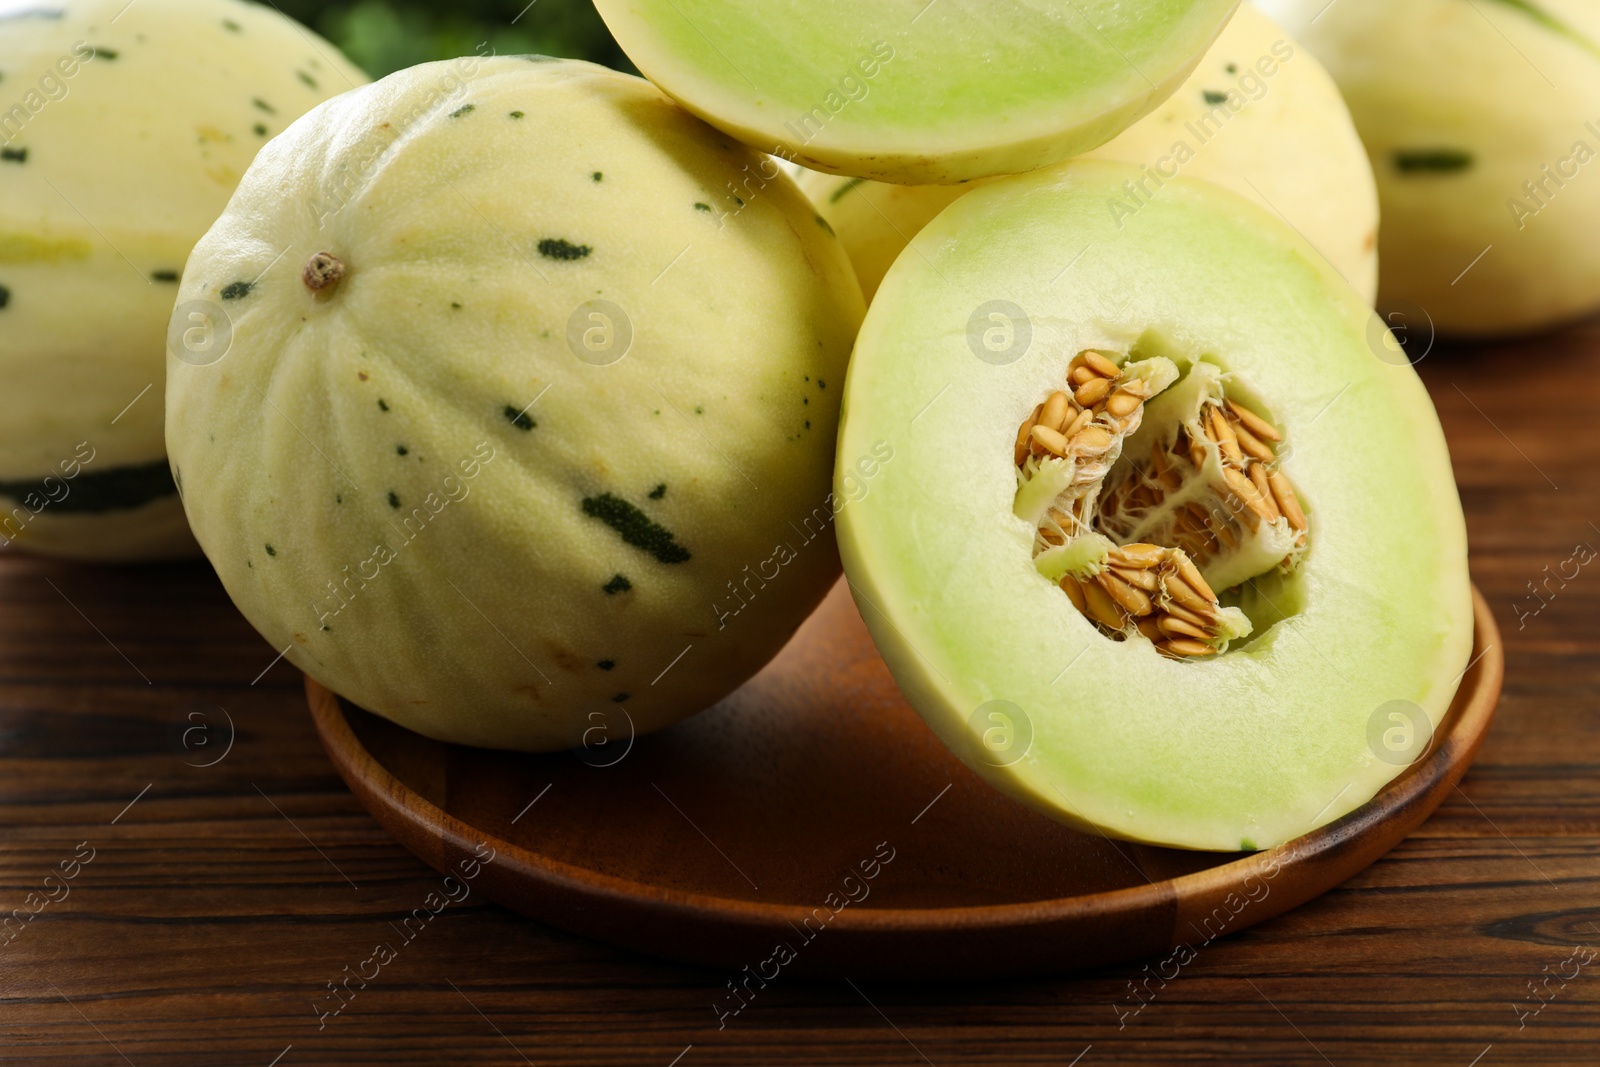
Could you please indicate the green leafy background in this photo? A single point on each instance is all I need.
(383, 36)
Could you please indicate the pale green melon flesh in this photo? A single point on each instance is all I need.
(417, 482)
(1258, 115)
(1483, 123)
(1247, 749)
(913, 91)
(125, 129)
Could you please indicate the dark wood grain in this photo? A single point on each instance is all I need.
(220, 905)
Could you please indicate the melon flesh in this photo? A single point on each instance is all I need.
(128, 126)
(552, 458)
(1258, 115)
(1483, 124)
(913, 91)
(1244, 749)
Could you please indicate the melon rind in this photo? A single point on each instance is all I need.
(912, 91)
(1248, 749)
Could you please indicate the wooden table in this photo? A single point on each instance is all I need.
(221, 900)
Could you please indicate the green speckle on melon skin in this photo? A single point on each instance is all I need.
(382, 404)
(394, 500)
(606, 664)
(5, 298)
(238, 290)
(561, 249)
(1432, 160)
(1213, 97)
(519, 418)
(516, 114)
(168, 276)
(271, 551)
(659, 491)
(619, 698)
(463, 110)
(262, 105)
(617, 584)
(13, 155)
(635, 527)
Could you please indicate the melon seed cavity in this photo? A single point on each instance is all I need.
(1138, 541)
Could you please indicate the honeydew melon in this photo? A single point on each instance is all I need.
(519, 442)
(124, 128)
(1349, 598)
(917, 91)
(1483, 122)
(1258, 115)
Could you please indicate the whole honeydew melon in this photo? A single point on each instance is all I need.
(1483, 124)
(1029, 586)
(124, 128)
(518, 442)
(912, 91)
(1258, 115)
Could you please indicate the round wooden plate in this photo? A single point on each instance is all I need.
(811, 824)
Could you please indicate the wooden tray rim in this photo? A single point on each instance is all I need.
(375, 785)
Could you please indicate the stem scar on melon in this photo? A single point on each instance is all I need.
(322, 273)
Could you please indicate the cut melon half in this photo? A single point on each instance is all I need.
(1168, 532)
(917, 91)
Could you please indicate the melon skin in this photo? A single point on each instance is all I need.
(1480, 119)
(1280, 136)
(1245, 750)
(603, 546)
(913, 92)
(128, 127)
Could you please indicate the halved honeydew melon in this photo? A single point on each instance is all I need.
(1258, 115)
(913, 90)
(1089, 667)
